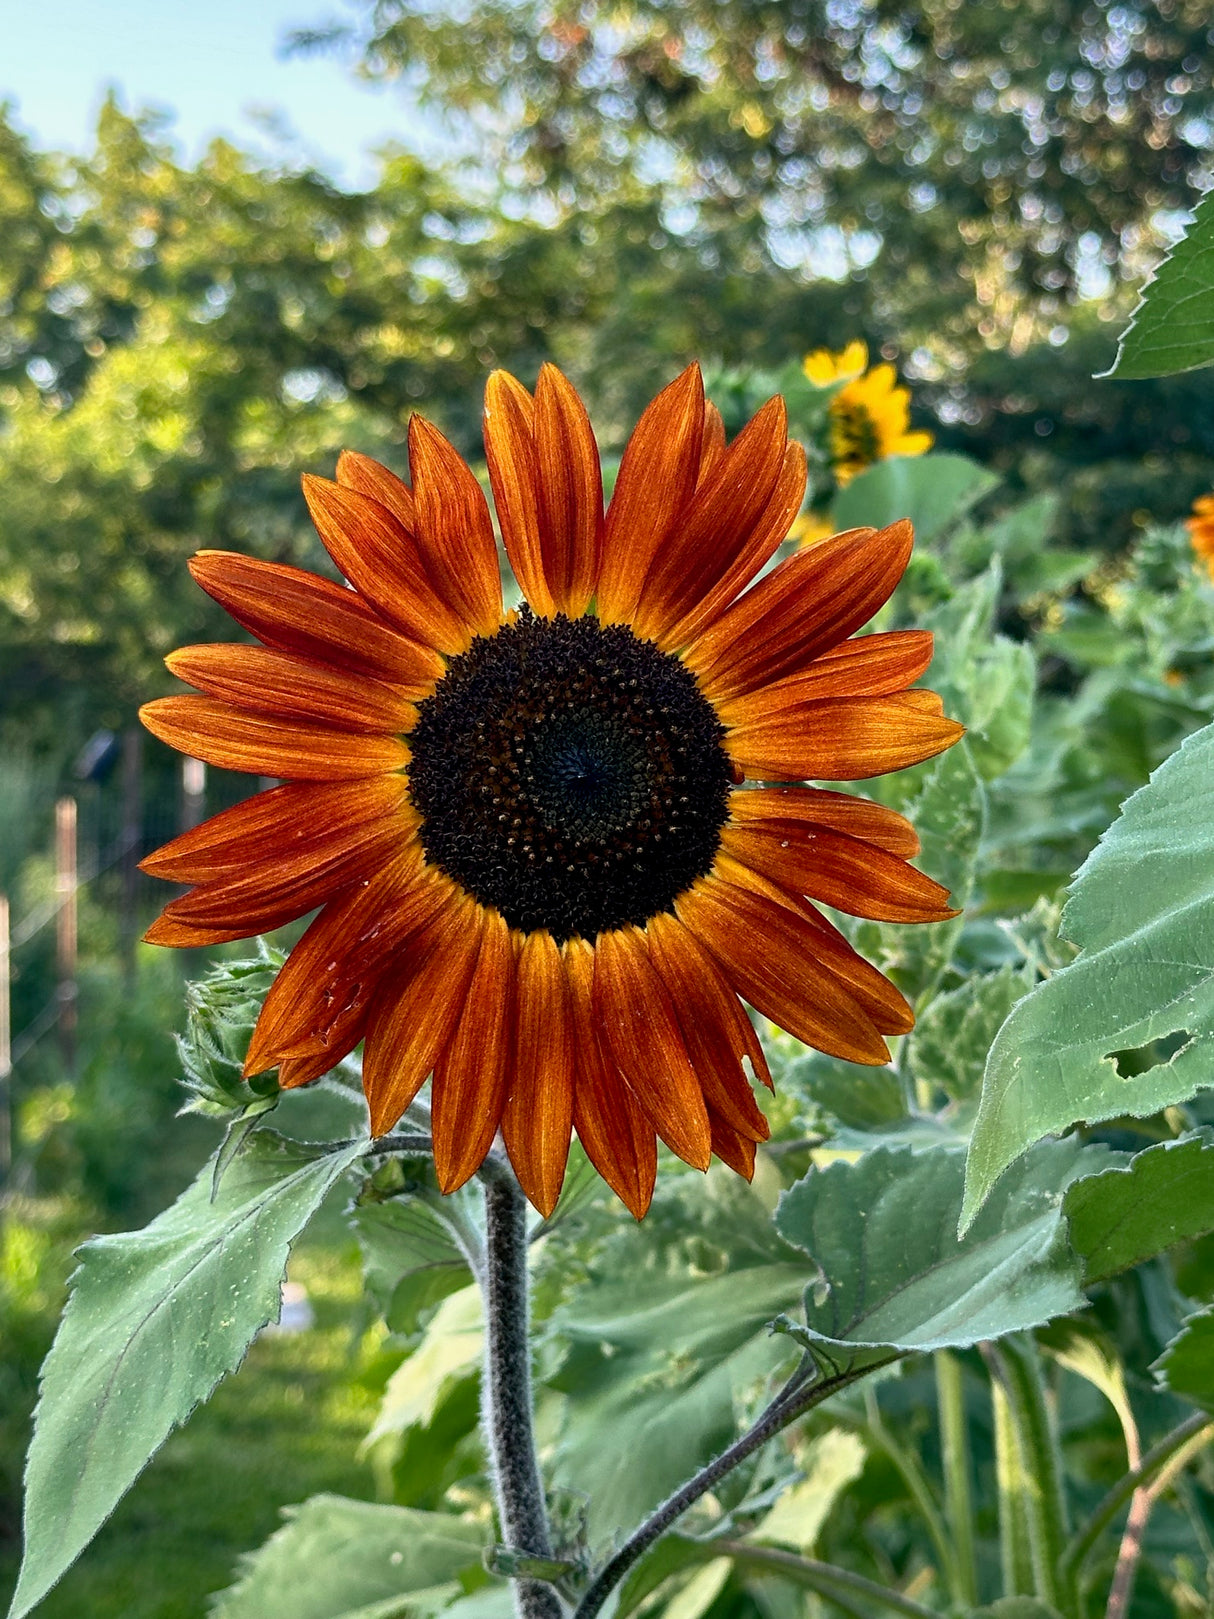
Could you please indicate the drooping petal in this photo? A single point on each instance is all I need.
(769, 953)
(769, 532)
(454, 530)
(837, 870)
(865, 666)
(657, 479)
(538, 1114)
(380, 557)
(302, 613)
(570, 488)
(265, 746)
(849, 739)
(640, 1028)
(815, 806)
(611, 1125)
(275, 682)
(370, 478)
(509, 428)
(732, 1147)
(806, 605)
(717, 1030)
(416, 1008)
(282, 823)
(471, 1074)
(712, 535)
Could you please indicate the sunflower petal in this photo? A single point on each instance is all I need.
(641, 1029)
(570, 488)
(370, 478)
(710, 542)
(261, 745)
(712, 442)
(538, 1115)
(804, 807)
(840, 871)
(806, 605)
(471, 1075)
(454, 530)
(380, 557)
(732, 1147)
(848, 739)
(656, 480)
(509, 429)
(610, 1123)
(313, 617)
(274, 682)
(864, 666)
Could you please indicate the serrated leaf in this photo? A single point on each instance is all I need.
(894, 1274)
(340, 1559)
(862, 1098)
(985, 680)
(1187, 1364)
(1172, 328)
(934, 491)
(1163, 1196)
(1142, 913)
(951, 1038)
(155, 1319)
(411, 1263)
(664, 1362)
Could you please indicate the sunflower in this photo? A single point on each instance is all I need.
(541, 876)
(869, 416)
(1201, 531)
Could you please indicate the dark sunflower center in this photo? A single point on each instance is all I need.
(569, 774)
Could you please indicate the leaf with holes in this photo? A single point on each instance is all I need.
(155, 1319)
(1142, 912)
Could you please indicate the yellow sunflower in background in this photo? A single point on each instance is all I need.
(540, 875)
(1201, 531)
(870, 414)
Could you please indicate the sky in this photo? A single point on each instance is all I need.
(214, 63)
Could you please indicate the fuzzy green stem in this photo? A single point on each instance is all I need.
(955, 1457)
(1017, 1365)
(918, 1488)
(1015, 1556)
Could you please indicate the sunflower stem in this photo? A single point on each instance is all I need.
(507, 1409)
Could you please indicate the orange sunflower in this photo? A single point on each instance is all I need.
(1201, 531)
(542, 877)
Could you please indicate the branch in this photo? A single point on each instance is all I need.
(829, 1581)
(792, 1402)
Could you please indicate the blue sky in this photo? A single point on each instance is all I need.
(212, 62)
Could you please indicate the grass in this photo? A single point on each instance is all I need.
(285, 1426)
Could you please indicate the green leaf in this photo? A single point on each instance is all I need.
(449, 1351)
(1172, 328)
(862, 1098)
(1131, 1212)
(663, 1361)
(155, 1319)
(1187, 1364)
(894, 1274)
(411, 1262)
(951, 1038)
(1017, 1608)
(830, 1463)
(341, 1559)
(934, 491)
(1142, 913)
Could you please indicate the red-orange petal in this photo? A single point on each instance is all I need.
(848, 739)
(570, 489)
(266, 746)
(710, 543)
(355, 471)
(179, 936)
(281, 824)
(641, 1030)
(275, 682)
(732, 1147)
(468, 1091)
(416, 1008)
(380, 557)
(454, 530)
(864, 666)
(538, 1114)
(806, 605)
(712, 441)
(764, 540)
(836, 870)
(331, 974)
(313, 617)
(509, 429)
(611, 1125)
(816, 806)
(715, 1027)
(769, 953)
(656, 481)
